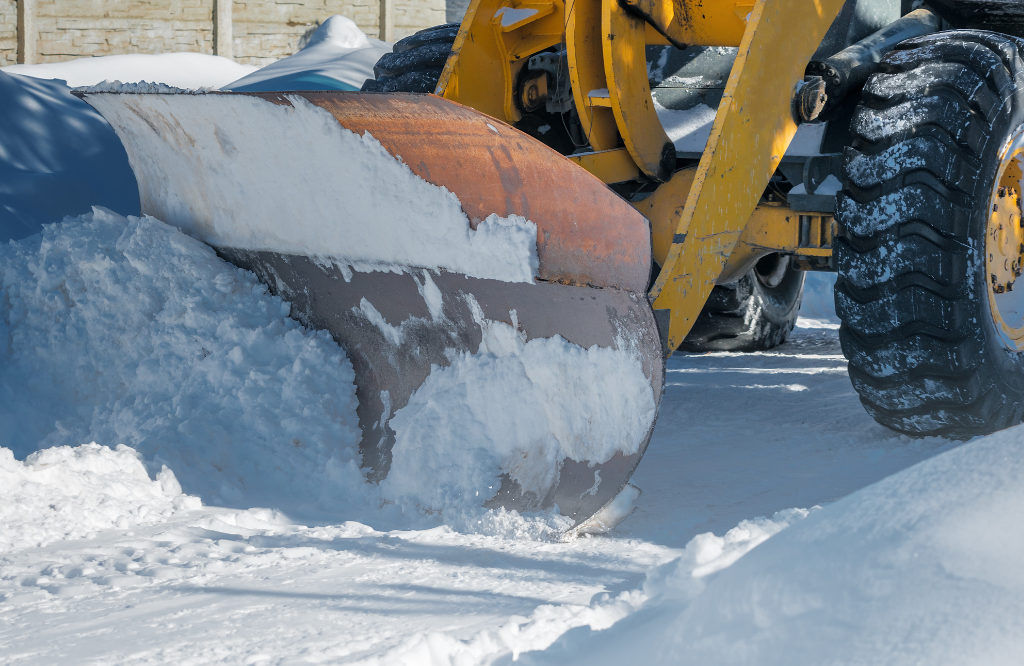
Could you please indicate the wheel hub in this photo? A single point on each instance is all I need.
(1004, 247)
(1005, 240)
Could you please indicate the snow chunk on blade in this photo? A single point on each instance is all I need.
(377, 214)
(521, 407)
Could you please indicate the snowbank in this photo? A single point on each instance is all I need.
(183, 70)
(568, 627)
(126, 331)
(922, 567)
(69, 493)
(339, 56)
(57, 157)
(241, 172)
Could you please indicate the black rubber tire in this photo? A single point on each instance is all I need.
(755, 313)
(416, 62)
(924, 354)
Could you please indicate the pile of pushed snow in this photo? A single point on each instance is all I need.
(339, 56)
(923, 567)
(126, 331)
(183, 70)
(57, 157)
(68, 493)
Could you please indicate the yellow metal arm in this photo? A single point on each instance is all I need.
(697, 22)
(753, 128)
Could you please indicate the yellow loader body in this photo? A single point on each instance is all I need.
(704, 224)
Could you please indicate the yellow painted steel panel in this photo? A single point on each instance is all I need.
(753, 128)
(625, 67)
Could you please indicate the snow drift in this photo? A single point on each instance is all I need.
(922, 567)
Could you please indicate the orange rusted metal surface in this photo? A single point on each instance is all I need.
(586, 234)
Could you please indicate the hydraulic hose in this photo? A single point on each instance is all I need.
(849, 69)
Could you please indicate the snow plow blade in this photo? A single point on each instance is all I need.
(260, 177)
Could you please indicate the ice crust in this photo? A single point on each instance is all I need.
(139, 87)
(230, 159)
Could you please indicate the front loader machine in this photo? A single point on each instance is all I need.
(543, 114)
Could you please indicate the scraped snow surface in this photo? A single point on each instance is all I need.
(922, 567)
(376, 215)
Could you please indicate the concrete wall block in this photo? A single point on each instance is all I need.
(166, 10)
(8, 32)
(414, 15)
(263, 30)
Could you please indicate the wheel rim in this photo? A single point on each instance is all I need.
(1004, 246)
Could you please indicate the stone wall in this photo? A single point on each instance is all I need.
(77, 28)
(8, 32)
(262, 30)
(265, 30)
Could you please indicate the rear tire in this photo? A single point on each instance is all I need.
(416, 63)
(755, 313)
(924, 352)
